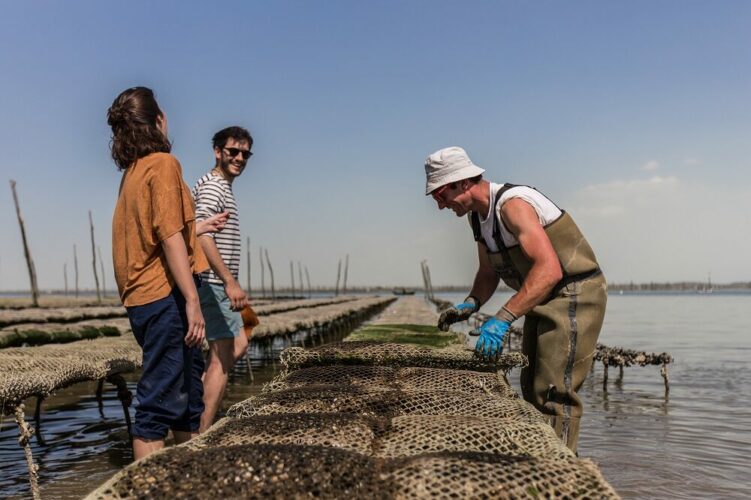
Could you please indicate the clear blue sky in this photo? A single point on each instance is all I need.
(633, 115)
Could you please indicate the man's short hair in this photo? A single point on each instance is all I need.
(237, 133)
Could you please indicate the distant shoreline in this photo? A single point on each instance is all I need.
(685, 286)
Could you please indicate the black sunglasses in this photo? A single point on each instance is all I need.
(232, 152)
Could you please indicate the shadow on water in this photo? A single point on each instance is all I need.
(83, 448)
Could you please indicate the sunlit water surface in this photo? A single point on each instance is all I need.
(694, 443)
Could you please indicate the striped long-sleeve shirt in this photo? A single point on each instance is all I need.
(213, 194)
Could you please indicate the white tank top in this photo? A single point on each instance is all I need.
(546, 210)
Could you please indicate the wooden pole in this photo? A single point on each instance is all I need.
(93, 259)
(271, 273)
(299, 275)
(424, 278)
(26, 251)
(430, 281)
(292, 277)
(307, 278)
(263, 278)
(65, 276)
(338, 275)
(75, 267)
(346, 268)
(101, 267)
(247, 254)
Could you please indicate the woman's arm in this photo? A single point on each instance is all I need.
(179, 265)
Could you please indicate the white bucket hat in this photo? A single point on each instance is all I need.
(448, 165)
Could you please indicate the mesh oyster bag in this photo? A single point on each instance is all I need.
(416, 434)
(250, 471)
(295, 471)
(392, 354)
(387, 377)
(39, 371)
(384, 403)
(337, 430)
(388, 437)
(484, 475)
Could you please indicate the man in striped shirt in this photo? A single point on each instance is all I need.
(222, 297)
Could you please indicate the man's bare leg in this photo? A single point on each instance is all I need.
(221, 361)
(241, 346)
(183, 436)
(145, 447)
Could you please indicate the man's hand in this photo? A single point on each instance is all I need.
(212, 224)
(196, 324)
(490, 343)
(236, 295)
(456, 313)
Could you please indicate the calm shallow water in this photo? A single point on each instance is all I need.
(694, 444)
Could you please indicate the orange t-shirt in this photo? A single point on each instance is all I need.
(154, 203)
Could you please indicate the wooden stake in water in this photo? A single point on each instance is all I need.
(247, 250)
(346, 268)
(75, 267)
(263, 279)
(26, 432)
(292, 277)
(338, 275)
(424, 278)
(430, 282)
(307, 278)
(299, 274)
(93, 259)
(271, 273)
(26, 251)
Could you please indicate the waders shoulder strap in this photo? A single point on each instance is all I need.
(474, 220)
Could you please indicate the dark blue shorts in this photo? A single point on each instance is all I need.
(170, 392)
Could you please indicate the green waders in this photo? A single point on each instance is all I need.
(559, 341)
(560, 335)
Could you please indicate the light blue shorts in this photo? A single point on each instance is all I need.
(221, 321)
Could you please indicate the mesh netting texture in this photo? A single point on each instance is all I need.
(75, 314)
(381, 353)
(373, 420)
(337, 430)
(388, 377)
(389, 437)
(294, 471)
(417, 434)
(251, 471)
(39, 371)
(292, 320)
(484, 475)
(58, 315)
(384, 403)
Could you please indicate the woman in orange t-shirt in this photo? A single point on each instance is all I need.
(156, 261)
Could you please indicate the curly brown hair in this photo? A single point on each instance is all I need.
(135, 134)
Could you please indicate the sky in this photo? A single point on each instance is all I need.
(634, 116)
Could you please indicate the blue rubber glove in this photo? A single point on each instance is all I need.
(492, 333)
(456, 313)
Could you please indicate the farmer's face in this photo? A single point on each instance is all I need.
(453, 196)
